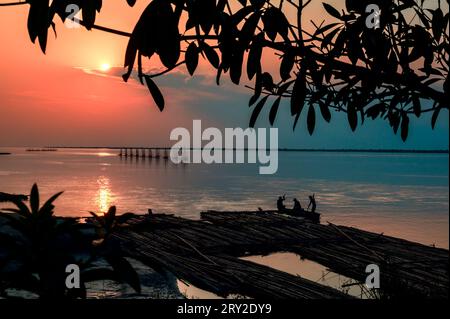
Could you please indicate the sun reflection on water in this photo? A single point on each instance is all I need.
(104, 195)
(104, 154)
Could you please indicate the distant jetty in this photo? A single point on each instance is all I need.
(42, 150)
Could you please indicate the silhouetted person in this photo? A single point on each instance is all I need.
(280, 204)
(312, 203)
(297, 205)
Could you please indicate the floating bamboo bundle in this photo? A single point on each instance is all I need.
(204, 252)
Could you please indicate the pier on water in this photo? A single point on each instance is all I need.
(141, 152)
(205, 253)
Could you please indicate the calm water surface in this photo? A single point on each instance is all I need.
(404, 195)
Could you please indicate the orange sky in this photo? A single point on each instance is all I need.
(51, 99)
(63, 98)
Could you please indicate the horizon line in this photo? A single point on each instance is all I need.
(280, 149)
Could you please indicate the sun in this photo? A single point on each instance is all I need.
(105, 67)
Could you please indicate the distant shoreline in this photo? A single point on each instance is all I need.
(399, 151)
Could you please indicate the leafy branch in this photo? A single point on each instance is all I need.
(391, 72)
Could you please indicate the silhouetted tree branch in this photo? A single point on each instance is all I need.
(346, 65)
(10, 4)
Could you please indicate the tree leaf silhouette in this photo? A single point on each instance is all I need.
(166, 33)
(254, 57)
(287, 63)
(259, 106)
(274, 110)
(416, 106)
(311, 119)
(275, 22)
(298, 95)
(248, 30)
(155, 92)
(258, 89)
(352, 116)
(325, 110)
(332, 11)
(405, 127)
(211, 55)
(435, 117)
(38, 22)
(192, 58)
(34, 199)
(437, 23)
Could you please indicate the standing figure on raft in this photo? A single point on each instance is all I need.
(280, 203)
(312, 203)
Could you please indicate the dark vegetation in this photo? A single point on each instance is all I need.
(36, 247)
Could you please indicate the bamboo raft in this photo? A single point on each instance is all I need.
(205, 253)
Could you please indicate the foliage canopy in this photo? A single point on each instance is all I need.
(392, 72)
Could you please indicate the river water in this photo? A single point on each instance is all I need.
(404, 195)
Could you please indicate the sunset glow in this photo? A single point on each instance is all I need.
(118, 113)
(105, 67)
(104, 194)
